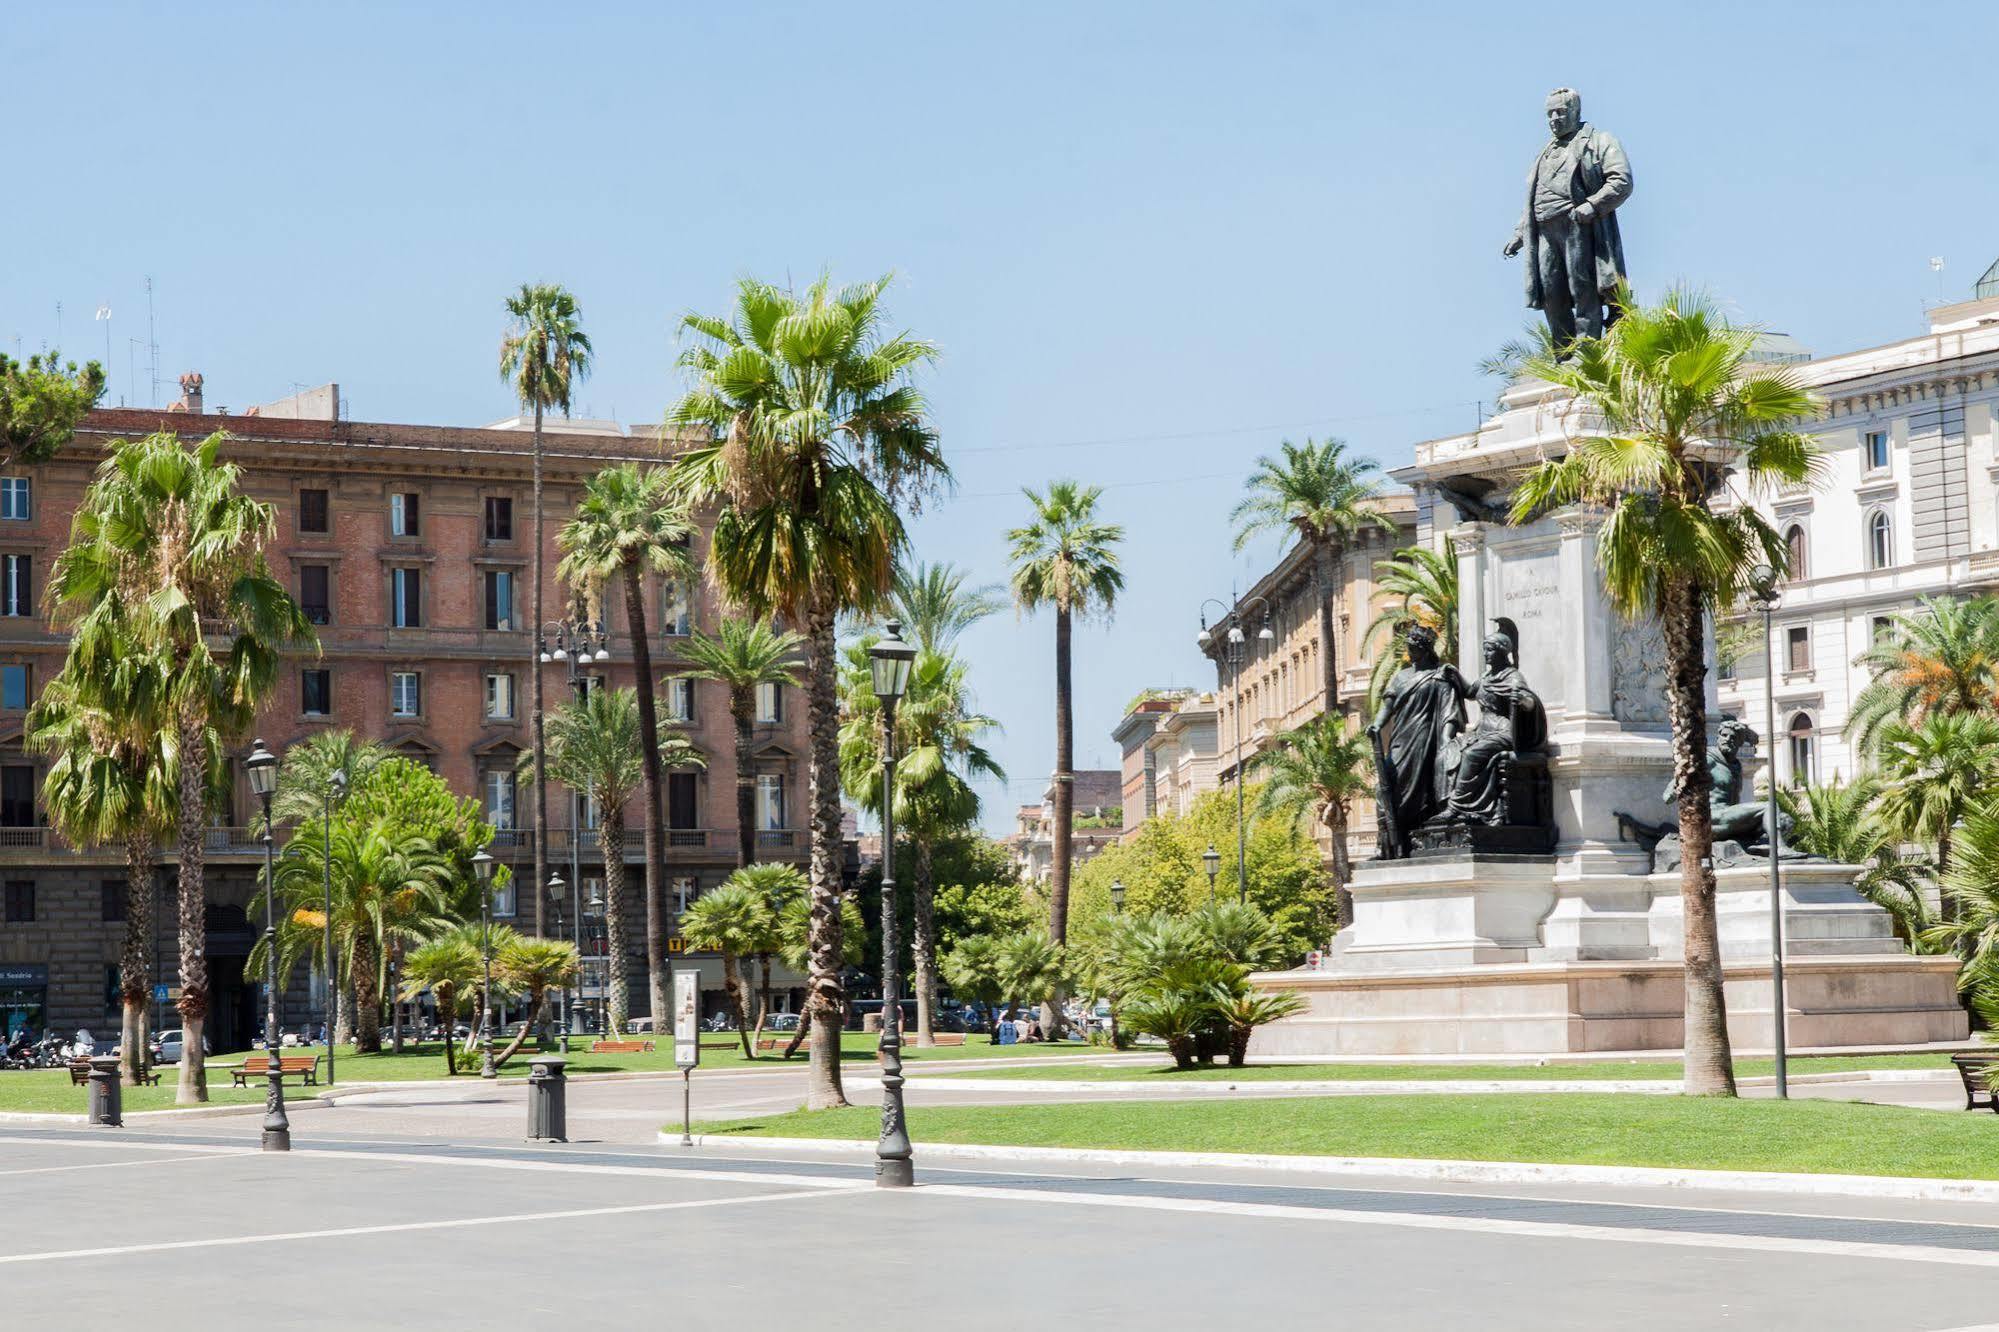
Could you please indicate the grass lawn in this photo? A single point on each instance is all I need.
(1632, 1069)
(48, 1091)
(1820, 1137)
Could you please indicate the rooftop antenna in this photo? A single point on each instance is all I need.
(104, 315)
(1936, 266)
(152, 344)
(58, 325)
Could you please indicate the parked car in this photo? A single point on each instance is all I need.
(639, 1026)
(168, 1044)
(781, 1022)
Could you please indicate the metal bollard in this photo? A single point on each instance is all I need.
(548, 1093)
(107, 1102)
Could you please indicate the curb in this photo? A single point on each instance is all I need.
(1323, 1087)
(1464, 1172)
(177, 1112)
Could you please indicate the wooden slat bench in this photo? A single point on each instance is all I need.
(941, 1038)
(304, 1067)
(79, 1074)
(781, 1042)
(621, 1047)
(1974, 1069)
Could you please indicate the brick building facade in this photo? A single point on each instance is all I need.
(411, 547)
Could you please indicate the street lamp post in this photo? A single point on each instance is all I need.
(262, 766)
(483, 863)
(336, 791)
(555, 887)
(1764, 598)
(1234, 652)
(1213, 860)
(595, 906)
(888, 664)
(1117, 897)
(575, 644)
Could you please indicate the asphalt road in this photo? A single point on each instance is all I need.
(191, 1227)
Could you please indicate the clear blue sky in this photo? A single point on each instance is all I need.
(1152, 239)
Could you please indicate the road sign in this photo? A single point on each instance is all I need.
(165, 993)
(686, 1018)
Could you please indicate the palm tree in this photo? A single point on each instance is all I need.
(1065, 559)
(166, 556)
(797, 938)
(595, 746)
(973, 971)
(1668, 385)
(1327, 499)
(734, 920)
(543, 357)
(1031, 966)
(1319, 767)
(537, 966)
(777, 886)
(1844, 824)
(743, 656)
(1941, 657)
(1971, 900)
(1932, 772)
(939, 748)
(935, 605)
(306, 779)
(1424, 583)
(627, 524)
(448, 967)
(818, 433)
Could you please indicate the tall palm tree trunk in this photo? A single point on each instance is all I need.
(367, 996)
(659, 971)
(1336, 832)
(618, 987)
(1335, 816)
(193, 907)
(742, 705)
(923, 943)
(738, 989)
(535, 704)
(135, 956)
(1065, 805)
(1709, 1067)
(447, 1018)
(763, 992)
(824, 996)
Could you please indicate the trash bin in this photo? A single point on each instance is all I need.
(106, 1099)
(548, 1111)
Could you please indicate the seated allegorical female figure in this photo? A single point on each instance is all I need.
(1511, 723)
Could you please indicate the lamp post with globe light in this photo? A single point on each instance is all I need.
(483, 864)
(1234, 650)
(574, 644)
(1212, 859)
(1764, 597)
(262, 767)
(888, 666)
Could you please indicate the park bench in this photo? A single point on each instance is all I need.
(621, 1047)
(79, 1074)
(765, 1043)
(941, 1038)
(1974, 1069)
(305, 1067)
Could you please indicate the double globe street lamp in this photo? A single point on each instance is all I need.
(1763, 596)
(262, 766)
(1234, 652)
(483, 865)
(888, 664)
(574, 643)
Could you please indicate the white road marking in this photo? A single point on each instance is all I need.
(455, 1223)
(1493, 1226)
(112, 1165)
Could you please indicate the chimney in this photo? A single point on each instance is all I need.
(190, 394)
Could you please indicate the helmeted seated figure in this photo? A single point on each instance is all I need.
(1511, 723)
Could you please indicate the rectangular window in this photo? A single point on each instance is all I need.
(14, 498)
(770, 703)
(500, 798)
(315, 693)
(680, 700)
(406, 598)
(14, 688)
(403, 520)
(17, 795)
(503, 900)
(499, 518)
(593, 814)
(1877, 450)
(683, 891)
(681, 802)
(111, 899)
(499, 697)
(312, 511)
(1799, 640)
(17, 586)
(1724, 668)
(20, 901)
(405, 694)
(678, 618)
(1882, 628)
(770, 800)
(499, 599)
(315, 592)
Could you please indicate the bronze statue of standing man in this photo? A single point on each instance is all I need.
(1575, 256)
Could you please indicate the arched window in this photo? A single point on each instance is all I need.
(1794, 548)
(1801, 749)
(1880, 541)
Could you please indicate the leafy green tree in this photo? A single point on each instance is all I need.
(1843, 824)
(744, 655)
(798, 942)
(306, 783)
(818, 433)
(1325, 498)
(936, 603)
(1242, 1010)
(166, 556)
(1320, 768)
(446, 968)
(1971, 896)
(1932, 772)
(544, 355)
(1668, 386)
(734, 920)
(1065, 559)
(972, 969)
(777, 886)
(1420, 586)
(1031, 970)
(42, 401)
(1942, 657)
(534, 966)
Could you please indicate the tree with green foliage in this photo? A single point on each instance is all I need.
(936, 603)
(1318, 768)
(743, 656)
(819, 433)
(972, 969)
(544, 355)
(1844, 824)
(536, 967)
(799, 935)
(777, 886)
(733, 919)
(446, 968)
(1941, 657)
(42, 401)
(1420, 586)
(1326, 499)
(306, 785)
(1678, 407)
(1932, 773)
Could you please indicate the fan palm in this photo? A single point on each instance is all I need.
(447, 967)
(625, 525)
(1327, 499)
(1242, 1010)
(1424, 586)
(935, 605)
(798, 940)
(1064, 558)
(818, 433)
(544, 355)
(1932, 771)
(1941, 657)
(1971, 897)
(972, 969)
(734, 920)
(166, 556)
(777, 886)
(1843, 824)
(1031, 968)
(939, 748)
(537, 966)
(1319, 767)
(743, 656)
(1679, 405)
(306, 783)
(595, 746)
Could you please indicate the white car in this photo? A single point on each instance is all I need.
(168, 1044)
(639, 1026)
